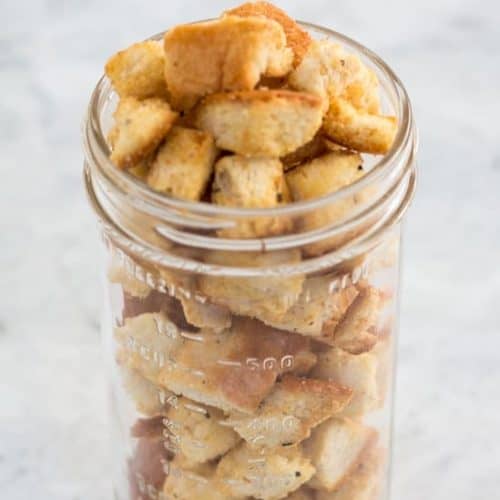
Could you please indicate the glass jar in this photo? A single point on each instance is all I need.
(248, 367)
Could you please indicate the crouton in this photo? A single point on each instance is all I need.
(329, 72)
(335, 449)
(317, 146)
(206, 315)
(364, 483)
(196, 433)
(149, 399)
(250, 183)
(231, 53)
(302, 494)
(147, 468)
(236, 369)
(118, 273)
(321, 176)
(141, 169)
(317, 311)
(190, 484)
(287, 416)
(245, 472)
(138, 71)
(258, 296)
(184, 164)
(145, 344)
(354, 333)
(359, 130)
(358, 372)
(139, 128)
(297, 38)
(268, 123)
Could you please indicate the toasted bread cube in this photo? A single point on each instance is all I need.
(206, 315)
(329, 72)
(317, 146)
(354, 333)
(250, 183)
(245, 472)
(335, 449)
(319, 177)
(145, 344)
(183, 165)
(258, 296)
(139, 128)
(358, 372)
(297, 38)
(363, 483)
(287, 416)
(359, 130)
(197, 433)
(231, 53)
(236, 369)
(317, 311)
(118, 274)
(138, 71)
(149, 399)
(193, 483)
(268, 123)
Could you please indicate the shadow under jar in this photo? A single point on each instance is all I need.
(253, 368)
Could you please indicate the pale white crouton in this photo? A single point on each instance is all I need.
(268, 123)
(335, 449)
(138, 71)
(184, 164)
(245, 472)
(287, 416)
(139, 128)
(231, 53)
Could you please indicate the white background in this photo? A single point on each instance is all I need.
(53, 434)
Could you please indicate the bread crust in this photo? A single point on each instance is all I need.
(231, 53)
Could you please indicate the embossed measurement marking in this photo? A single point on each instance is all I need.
(194, 408)
(191, 336)
(224, 362)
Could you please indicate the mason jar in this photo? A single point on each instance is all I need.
(247, 367)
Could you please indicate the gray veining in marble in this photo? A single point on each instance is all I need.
(53, 434)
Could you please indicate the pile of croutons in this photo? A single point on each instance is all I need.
(250, 387)
(246, 111)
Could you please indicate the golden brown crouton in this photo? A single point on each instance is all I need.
(117, 273)
(329, 72)
(297, 38)
(138, 71)
(318, 310)
(258, 296)
(195, 433)
(318, 146)
(335, 449)
(287, 416)
(183, 165)
(362, 484)
(190, 484)
(236, 369)
(139, 128)
(359, 130)
(245, 472)
(250, 183)
(319, 177)
(230, 53)
(358, 372)
(149, 399)
(269, 123)
(354, 333)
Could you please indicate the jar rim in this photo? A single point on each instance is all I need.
(99, 149)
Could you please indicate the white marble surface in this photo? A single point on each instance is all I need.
(53, 435)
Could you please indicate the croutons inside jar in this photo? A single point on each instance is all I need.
(184, 164)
